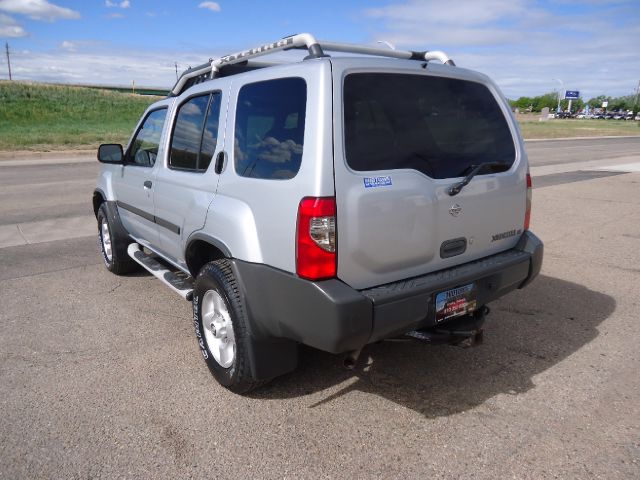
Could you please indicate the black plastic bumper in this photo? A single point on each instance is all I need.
(331, 316)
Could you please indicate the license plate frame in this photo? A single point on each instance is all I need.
(455, 302)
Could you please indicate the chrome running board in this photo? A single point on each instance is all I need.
(178, 281)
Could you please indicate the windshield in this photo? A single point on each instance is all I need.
(438, 126)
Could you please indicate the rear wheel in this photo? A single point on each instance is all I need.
(113, 244)
(221, 327)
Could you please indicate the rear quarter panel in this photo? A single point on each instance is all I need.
(256, 218)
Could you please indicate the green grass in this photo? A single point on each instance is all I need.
(55, 117)
(40, 117)
(559, 128)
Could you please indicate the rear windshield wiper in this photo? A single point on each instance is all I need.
(475, 169)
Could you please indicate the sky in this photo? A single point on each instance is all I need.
(529, 47)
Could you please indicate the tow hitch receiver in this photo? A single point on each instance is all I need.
(464, 332)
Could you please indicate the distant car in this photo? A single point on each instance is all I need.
(619, 116)
(637, 117)
(628, 116)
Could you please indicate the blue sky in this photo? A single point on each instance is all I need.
(590, 45)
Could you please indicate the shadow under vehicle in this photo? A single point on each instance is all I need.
(527, 333)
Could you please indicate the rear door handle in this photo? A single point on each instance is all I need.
(147, 184)
(219, 163)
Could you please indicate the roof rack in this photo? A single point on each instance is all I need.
(316, 49)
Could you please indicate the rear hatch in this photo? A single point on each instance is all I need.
(403, 137)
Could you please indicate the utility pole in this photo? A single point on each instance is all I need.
(176, 64)
(561, 90)
(6, 45)
(635, 102)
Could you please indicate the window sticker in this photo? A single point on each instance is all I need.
(373, 182)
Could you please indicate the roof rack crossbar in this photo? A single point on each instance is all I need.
(302, 40)
(385, 52)
(351, 48)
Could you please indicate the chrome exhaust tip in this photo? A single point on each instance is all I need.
(351, 359)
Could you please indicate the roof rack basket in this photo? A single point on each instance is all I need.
(307, 41)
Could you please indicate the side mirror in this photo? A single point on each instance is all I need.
(110, 153)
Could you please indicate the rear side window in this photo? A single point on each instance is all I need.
(269, 129)
(438, 126)
(195, 133)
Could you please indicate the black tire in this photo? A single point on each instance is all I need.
(218, 276)
(117, 260)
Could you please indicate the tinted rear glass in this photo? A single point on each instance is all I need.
(269, 131)
(438, 126)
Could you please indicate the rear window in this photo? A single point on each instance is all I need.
(438, 126)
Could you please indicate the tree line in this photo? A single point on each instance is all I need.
(536, 104)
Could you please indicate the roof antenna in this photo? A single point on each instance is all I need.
(388, 44)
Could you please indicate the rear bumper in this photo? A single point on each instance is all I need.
(331, 316)
(409, 305)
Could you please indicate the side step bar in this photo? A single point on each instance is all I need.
(179, 282)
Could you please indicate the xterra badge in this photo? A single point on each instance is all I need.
(503, 235)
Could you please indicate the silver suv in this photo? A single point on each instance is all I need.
(329, 201)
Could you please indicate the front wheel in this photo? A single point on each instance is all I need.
(220, 323)
(113, 242)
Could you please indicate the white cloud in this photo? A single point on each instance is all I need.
(454, 12)
(459, 22)
(67, 45)
(523, 44)
(157, 13)
(38, 10)
(115, 15)
(123, 4)
(10, 28)
(213, 6)
(91, 63)
(75, 45)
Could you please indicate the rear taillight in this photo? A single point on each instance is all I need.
(527, 213)
(316, 238)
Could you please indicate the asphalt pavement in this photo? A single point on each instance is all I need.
(101, 377)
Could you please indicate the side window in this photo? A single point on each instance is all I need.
(144, 147)
(195, 134)
(269, 129)
(210, 134)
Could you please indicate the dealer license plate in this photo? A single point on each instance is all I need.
(455, 302)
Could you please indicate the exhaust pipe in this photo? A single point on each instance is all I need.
(351, 359)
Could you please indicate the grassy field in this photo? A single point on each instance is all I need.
(41, 117)
(54, 117)
(532, 127)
